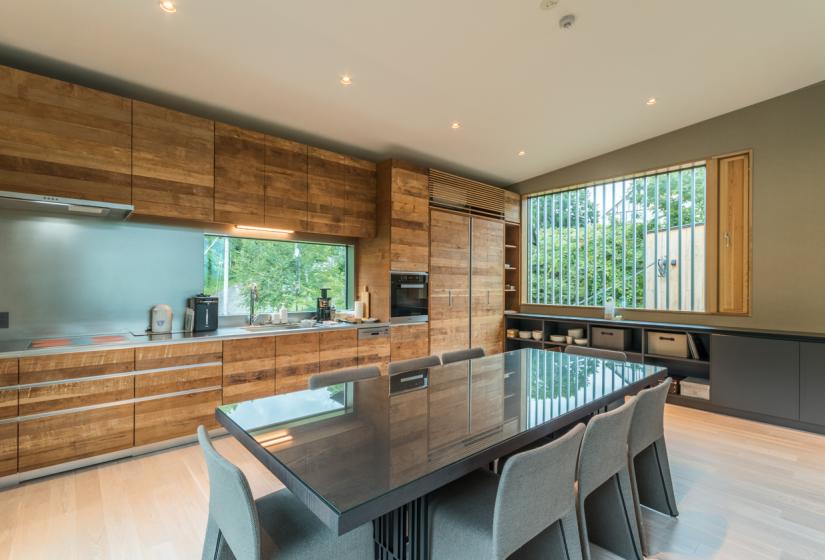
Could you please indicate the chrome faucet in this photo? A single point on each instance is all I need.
(253, 297)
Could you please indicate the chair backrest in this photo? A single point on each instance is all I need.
(343, 376)
(414, 364)
(602, 353)
(604, 447)
(461, 355)
(536, 490)
(648, 417)
(231, 505)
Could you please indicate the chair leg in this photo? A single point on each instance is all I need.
(584, 536)
(569, 529)
(611, 517)
(638, 508)
(653, 480)
(212, 541)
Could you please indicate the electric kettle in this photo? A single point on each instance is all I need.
(160, 319)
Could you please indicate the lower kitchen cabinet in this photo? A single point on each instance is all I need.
(374, 349)
(248, 369)
(338, 350)
(8, 449)
(175, 416)
(77, 435)
(409, 341)
(296, 358)
(448, 407)
(177, 380)
(755, 374)
(812, 383)
(75, 394)
(408, 434)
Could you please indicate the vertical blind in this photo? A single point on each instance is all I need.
(638, 241)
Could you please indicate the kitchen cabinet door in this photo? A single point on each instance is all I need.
(449, 406)
(8, 409)
(374, 351)
(172, 163)
(338, 349)
(75, 394)
(296, 358)
(8, 449)
(177, 416)
(409, 341)
(286, 178)
(512, 207)
(248, 369)
(57, 367)
(812, 383)
(173, 355)
(61, 139)
(449, 281)
(409, 219)
(240, 176)
(487, 285)
(755, 374)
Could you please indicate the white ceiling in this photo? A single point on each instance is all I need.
(503, 68)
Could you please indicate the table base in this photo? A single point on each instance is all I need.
(402, 534)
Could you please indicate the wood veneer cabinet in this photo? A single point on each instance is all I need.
(287, 184)
(177, 416)
(8, 409)
(172, 163)
(512, 207)
(248, 369)
(171, 355)
(409, 341)
(296, 358)
(449, 281)
(374, 351)
(57, 367)
(240, 176)
(337, 350)
(62, 139)
(487, 285)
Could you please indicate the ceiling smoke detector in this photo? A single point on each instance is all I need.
(567, 21)
(548, 4)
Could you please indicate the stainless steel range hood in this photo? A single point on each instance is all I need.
(44, 204)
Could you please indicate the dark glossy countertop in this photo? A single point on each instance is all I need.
(353, 443)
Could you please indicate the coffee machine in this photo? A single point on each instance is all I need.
(206, 312)
(323, 307)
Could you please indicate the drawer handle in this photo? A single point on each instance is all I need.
(605, 333)
(671, 339)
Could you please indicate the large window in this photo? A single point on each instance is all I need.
(638, 241)
(287, 273)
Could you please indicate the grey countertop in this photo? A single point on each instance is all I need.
(85, 343)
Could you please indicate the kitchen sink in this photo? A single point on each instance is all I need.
(266, 328)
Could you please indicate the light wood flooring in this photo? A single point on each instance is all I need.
(746, 491)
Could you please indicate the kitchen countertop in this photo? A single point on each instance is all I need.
(22, 348)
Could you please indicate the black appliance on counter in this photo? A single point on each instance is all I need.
(323, 306)
(206, 312)
(409, 297)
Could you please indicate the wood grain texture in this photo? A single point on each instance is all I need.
(408, 434)
(62, 139)
(8, 372)
(448, 406)
(177, 380)
(67, 437)
(172, 417)
(486, 396)
(8, 449)
(8, 398)
(296, 358)
(374, 351)
(240, 176)
(512, 256)
(487, 305)
(410, 220)
(50, 398)
(373, 254)
(248, 369)
(8, 403)
(734, 235)
(512, 207)
(338, 350)
(172, 355)
(37, 369)
(287, 167)
(172, 163)
(409, 341)
(449, 281)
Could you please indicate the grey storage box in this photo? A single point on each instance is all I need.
(667, 344)
(610, 338)
(695, 387)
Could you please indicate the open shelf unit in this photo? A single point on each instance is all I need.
(512, 258)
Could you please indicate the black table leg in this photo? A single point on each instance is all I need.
(402, 533)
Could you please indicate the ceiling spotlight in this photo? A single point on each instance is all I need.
(455, 125)
(651, 101)
(567, 21)
(346, 80)
(168, 6)
(522, 153)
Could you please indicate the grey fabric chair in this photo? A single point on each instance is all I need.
(414, 364)
(528, 512)
(343, 376)
(461, 355)
(648, 461)
(602, 353)
(604, 504)
(275, 526)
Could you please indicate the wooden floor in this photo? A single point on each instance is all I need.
(746, 491)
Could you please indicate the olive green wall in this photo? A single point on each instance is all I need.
(787, 136)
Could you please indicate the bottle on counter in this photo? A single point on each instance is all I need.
(283, 314)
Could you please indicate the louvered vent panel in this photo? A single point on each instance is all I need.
(458, 193)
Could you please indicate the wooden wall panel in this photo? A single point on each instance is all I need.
(410, 220)
(409, 341)
(37, 369)
(734, 235)
(67, 437)
(296, 358)
(177, 380)
(173, 417)
(487, 306)
(512, 207)
(61, 139)
(341, 194)
(240, 175)
(338, 349)
(248, 369)
(287, 167)
(60, 396)
(374, 351)
(8, 449)
(183, 354)
(172, 163)
(449, 281)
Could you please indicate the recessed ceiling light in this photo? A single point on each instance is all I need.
(651, 101)
(567, 21)
(168, 6)
(522, 153)
(455, 125)
(346, 80)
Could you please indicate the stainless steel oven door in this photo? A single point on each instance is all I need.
(409, 297)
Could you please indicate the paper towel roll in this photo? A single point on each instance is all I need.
(359, 310)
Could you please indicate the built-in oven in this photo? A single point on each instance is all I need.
(409, 295)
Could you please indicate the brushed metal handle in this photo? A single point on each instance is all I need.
(727, 239)
(449, 298)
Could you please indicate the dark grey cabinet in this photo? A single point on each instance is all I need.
(755, 374)
(812, 383)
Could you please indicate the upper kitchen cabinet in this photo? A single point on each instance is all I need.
(172, 163)
(341, 194)
(410, 218)
(240, 176)
(60, 139)
(512, 207)
(286, 184)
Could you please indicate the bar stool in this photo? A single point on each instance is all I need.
(414, 364)
(275, 526)
(528, 512)
(320, 380)
(461, 355)
(647, 460)
(604, 503)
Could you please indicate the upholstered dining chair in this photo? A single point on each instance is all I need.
(602, 353)
(414, 364)
(320, 380)
(276, 526)
(461, 355)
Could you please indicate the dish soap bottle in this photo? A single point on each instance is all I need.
(610, 310)
(283, 314)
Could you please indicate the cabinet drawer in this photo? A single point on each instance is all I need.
(612, 339)
(172, 355)
(67, 437)
(248, 369)
(61, 396)
(409, 341)
(8, 449)
(37, 369)
(177, 380)
(338, 350)
(8, 372)
(667, 344)
(8, 403)
(172, 417)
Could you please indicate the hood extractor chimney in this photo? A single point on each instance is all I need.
(45, 204)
